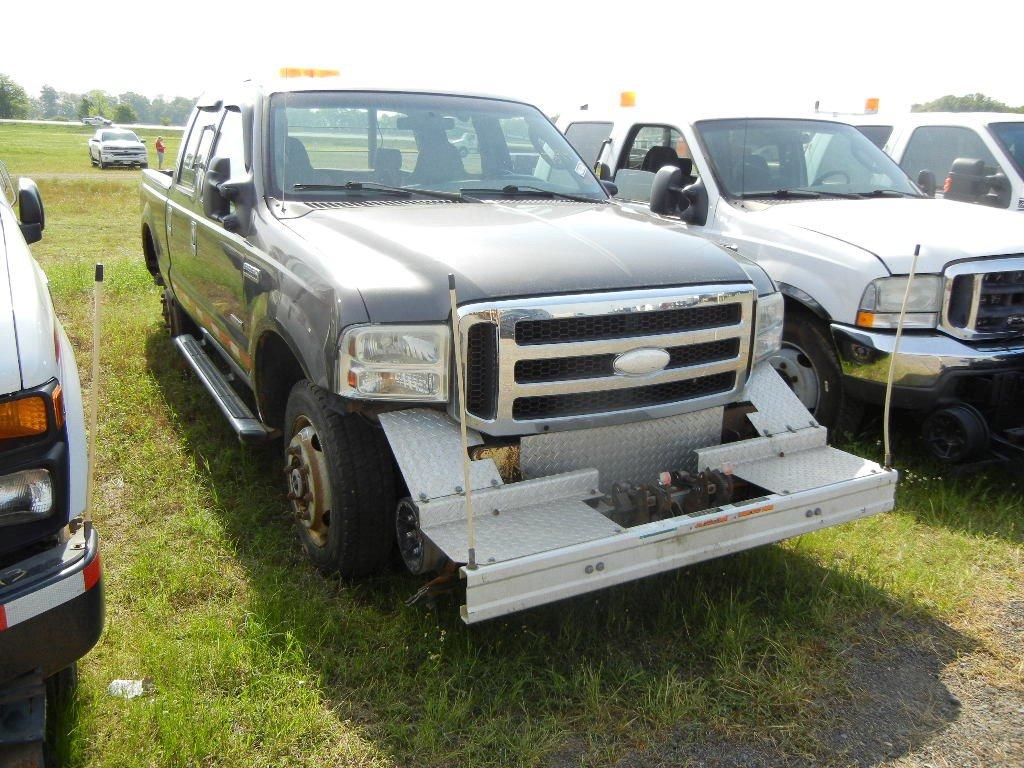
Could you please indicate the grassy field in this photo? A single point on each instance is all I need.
(880, 642)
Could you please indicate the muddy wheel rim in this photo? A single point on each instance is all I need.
(796, 369)
(307, 476)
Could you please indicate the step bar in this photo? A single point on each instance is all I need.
(247, 426)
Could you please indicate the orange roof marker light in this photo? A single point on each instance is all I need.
(871, 106)
(288, 72)
(627, 99)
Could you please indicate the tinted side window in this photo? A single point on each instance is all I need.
(229, 142)
(935, 147)
(203, 125)
(877, 134)
(586, 138)
(648, 136)
(648, 148)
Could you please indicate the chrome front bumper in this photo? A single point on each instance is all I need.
(924, 361)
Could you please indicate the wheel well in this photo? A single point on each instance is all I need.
(277, 370)
(149, 252)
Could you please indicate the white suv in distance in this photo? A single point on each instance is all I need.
(117, 146)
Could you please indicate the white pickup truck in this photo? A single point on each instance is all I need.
(51, 596)
(835, 222)
(979, 156)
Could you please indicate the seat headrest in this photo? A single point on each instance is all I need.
(296, 156)
(387, 159)
(658, 157)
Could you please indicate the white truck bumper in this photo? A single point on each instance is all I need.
(547, 537)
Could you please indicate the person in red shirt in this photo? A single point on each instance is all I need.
(160, 148)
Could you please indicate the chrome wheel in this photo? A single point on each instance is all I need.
(796, 369)
(308, 477)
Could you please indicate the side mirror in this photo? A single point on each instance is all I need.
(926, 181)
(670, 198)
(602, 171)
(219, 192)
(30, 211)
(610, 187)
(999, 190)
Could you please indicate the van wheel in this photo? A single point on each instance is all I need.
(808, 363)
(340, 484)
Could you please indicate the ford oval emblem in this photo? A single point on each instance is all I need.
(638, 362)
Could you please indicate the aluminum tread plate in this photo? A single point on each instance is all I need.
(522, 531)
(805, 470)
(572, 485)
(731, 454)
(428, 448)
(629, 453)
(778, 409)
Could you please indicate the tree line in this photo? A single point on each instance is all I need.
(972, 102)
(127, 107)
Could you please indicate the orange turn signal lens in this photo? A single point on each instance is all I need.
(24, 417)
(58, 406)
(866, 319)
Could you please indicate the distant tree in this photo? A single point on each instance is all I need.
(102, 102)
(123, 113)
(139, 104)
(49, 102)
(84, 107)
(972, 102)
(14, 101)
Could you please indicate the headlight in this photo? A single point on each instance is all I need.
(25, 496)
(883, 298)
(768, 333)
(395, 362)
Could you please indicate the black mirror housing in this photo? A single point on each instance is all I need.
(220, 191)
(610, 187)
(666, 192)
(926, 181)
(31, 213)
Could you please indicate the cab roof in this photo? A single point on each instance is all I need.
(971, 119)
(656, 116)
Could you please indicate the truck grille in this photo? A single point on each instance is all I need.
(985, 304)
(531, 361)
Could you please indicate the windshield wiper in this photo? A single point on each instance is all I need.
(885, 193)
(782, 194)
(528, 189)
(373, 185)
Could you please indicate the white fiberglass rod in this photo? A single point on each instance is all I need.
(94, 399)
(467, 485)
(892, 360)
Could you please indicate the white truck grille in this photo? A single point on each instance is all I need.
(548, 363)
(985, 299)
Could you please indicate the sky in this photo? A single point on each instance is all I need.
(734, 56)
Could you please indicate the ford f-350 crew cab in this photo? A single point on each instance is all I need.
(51, 596)
(621, 419)
(835, 223)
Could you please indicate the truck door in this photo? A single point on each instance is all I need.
(182, 197)
(648, 148)
(228, 268)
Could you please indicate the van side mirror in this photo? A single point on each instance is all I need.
(670, 198)
(30, 211)
(610, 187)
(926, 181)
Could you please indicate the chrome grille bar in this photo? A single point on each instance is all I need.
(505, 315)
(964, 310)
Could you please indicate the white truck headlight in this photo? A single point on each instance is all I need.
(883, 298)
(395, 362)
(25, 496)
(768, 330)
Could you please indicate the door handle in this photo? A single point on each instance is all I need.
(192, 230)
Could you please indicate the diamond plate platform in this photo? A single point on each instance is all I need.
(756, 448)
(778, 409)
(522, 531)
(428, 448)
(814, 468)
(628, 453)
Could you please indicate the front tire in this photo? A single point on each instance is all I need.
(341, 484)
(809, 364)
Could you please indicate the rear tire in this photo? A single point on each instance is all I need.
(341, 484)
(176, 319)
(809, 364)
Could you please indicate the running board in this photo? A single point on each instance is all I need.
(247, 426)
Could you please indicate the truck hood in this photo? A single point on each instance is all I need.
(10, 368)
(891, 227)
(122, 145)
(399, 254)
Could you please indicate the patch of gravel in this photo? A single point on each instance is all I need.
(911, 704)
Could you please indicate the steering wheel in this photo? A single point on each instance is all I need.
(829, 175)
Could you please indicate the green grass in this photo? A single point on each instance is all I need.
(258, 661)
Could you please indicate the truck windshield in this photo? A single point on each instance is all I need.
(119, 136)
(796, 159)
(329, 145)
(1011, 137)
